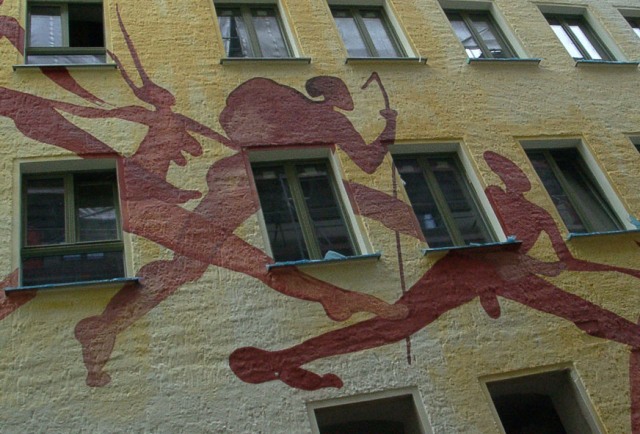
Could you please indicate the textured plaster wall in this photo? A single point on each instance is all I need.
(170, 371)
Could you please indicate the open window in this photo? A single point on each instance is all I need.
(545, 403)
(382, 413)
(65, 32)
(367, 32)
(304, 215)
(71, 227)
(443, 200)
(252, 31)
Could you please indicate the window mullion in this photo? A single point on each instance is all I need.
(247, 15)
(476, 36)
(362, 28)
(441, 202)
(304, 218)
(65, 24)
(567, 29)
(69, 210)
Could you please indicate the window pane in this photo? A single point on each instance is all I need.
(67, 59)
(379, 34)
(350, 34)
(328, 223)
(423, 203)
(587, 45)
(464, 35)
(269, 34)
(95, 210)
(85, 25)
(457, 194)
(45, 212)
(566, 40)
(483, 26)
(234, 33)
(280, 215)
(72, 268)
(45, 27)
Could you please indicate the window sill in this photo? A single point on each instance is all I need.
(312, 262)
(512, 60)
(573, 235)
(368, 60)
(510, 243)
(587, 63)
(65, 66)
(87, 284)
(236, 60)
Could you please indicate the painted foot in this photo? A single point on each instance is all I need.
(98, 379)
(341, 306)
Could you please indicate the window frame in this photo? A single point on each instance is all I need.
(72, 245)
(478, 39)
(304, 219)
(355, 13)
(246, 12)
(601, 48)
(440, 198)
(65, 49)
(596, 189)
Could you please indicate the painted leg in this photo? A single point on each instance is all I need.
(97, 334)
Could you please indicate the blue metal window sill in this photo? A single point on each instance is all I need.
(510, 243)
(586, 62)
(600, 234)
(231, 60)
(65, 66)
(369, 60)
(329, 260)
(86, 284)
(519, 60)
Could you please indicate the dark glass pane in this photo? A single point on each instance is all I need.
(45, 212)
(285, 234)
(558, 195)
(594, 207)
(234, 33)
(528, 413)
(365, 427)
(86, 27)
(328, 223)
(424, 205)
(72, 268)
(457, 194)
(45, 26)
(379, 33)
(350, 34)
(489, 34)
(465, 36)
(95, 207)
(270, 38)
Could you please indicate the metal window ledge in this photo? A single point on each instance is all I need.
(332, 260)
(369, 60)
(585, 62)
(511, 60)
(65, 66)
(87, 284)
(241, 60)
(510, 243)
(601, 234)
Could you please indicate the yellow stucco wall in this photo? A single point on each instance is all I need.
(170, 370)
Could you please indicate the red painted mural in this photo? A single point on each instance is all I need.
(264, 113)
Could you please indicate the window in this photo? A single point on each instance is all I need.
(252, 31)
(71, 228)
(388, 415)
(578, 38)
(479, 35)
(443, 200)
(366, 32)
(634, 22)
(573, 189)
(547, 403)
(301, 205)
(69, 32)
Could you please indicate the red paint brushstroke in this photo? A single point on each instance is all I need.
(487, 275)
(9, 303)
(10, 28)
(62, 77)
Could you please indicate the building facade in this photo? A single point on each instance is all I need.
(320, 216)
